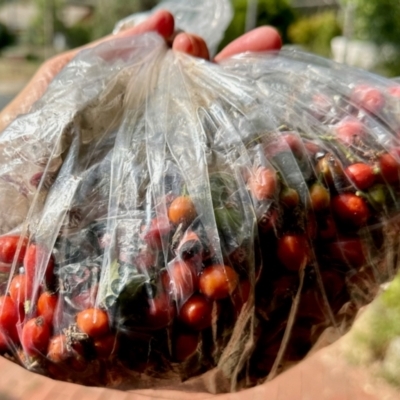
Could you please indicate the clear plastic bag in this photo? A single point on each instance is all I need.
(166, 218)
(207, 19)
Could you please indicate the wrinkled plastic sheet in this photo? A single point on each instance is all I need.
(219, 218)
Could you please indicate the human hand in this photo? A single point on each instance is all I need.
(309, 378)
(323, 376)
(261, 39)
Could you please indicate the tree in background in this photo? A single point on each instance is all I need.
(278, 13)
(378, 21)
(315, 32)
(109, 12)
(78, 34)
(47, 22)
(6, 37)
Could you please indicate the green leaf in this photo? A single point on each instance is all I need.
(133, 300)
(228, 210)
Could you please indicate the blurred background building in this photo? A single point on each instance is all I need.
(364, 33)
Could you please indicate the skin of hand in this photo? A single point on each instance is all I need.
(312, 378)
(261, 39)
(324, 375)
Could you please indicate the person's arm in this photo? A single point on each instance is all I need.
(161, 22)
(261, 39)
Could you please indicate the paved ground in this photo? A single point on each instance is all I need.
(4, 100)
(14, 75)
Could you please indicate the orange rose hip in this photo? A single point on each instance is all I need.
(218, 281)
(93, 322)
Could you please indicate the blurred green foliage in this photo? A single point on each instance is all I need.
(315, 32)
(6, 37)
(378, 21)
(108, 12)
(78, 34)
(46, 23)
(389, 66)
(278, 13)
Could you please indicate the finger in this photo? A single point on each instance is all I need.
(191, 44)
(260, 39)
(161, 22)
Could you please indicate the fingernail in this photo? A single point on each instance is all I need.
(165, 23)
(187, 44)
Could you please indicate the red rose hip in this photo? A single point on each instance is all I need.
(9, 246)
(105, 346)
(196, 313)
(46, 305)
(263, 183)
(362, 175)
(185, 345)
(57, 349)
(348, 130)
(8, 314)
(160, 313)
(35, 336)
(349, 251)
(350, 210)
(390, 168)
(368, 97)
(183, 280)
(159, 227)
(21, 288)
(35, 255)
(293, 251)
